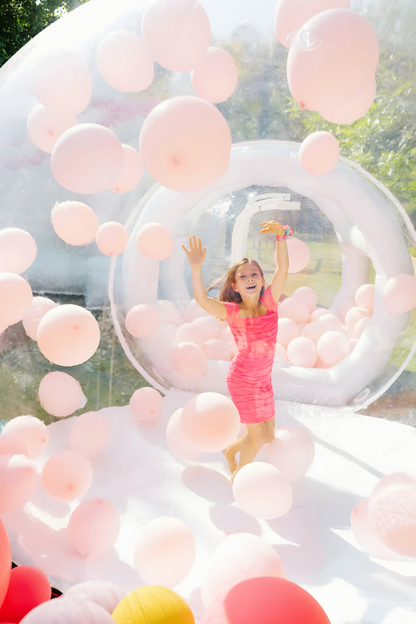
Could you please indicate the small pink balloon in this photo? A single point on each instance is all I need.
(17, 250)
(155, 241)
(307, 295)
(354, 315)
(208, 326)
(90, 434)
(68, 335)
(333, 347)
(364, 297)
(87, 159)
(331, 321)
(292, 451)
(93, 527)
(262, 491)
(124, 61)
(360, 327)
(112, 238)
(17, 482)
(280, 353)
(287, 331)
(142, 320)
(340, 111)
(185, 143)
(299, 255)
(67, 611)
(60, 394)
(31, 431)
(61, 81)
(188, 332)
(365, 533)
(164, 552)
(210, 421)
(35, 313)
(132, 171)
(216, 78)
(46, 125)
(189, 360)
(216, 349)
(302, 352)
(294, 309)
(11, 445)
(102, 593)
(316, 314)
(319, 153)
(146, 404)
(177, 441)
(177, 34)
(67, 476)
(15, 296)
(74, 222)
(315, 330)
(399, 294)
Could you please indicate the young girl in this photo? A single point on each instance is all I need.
(251, 313)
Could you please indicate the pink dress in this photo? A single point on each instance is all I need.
(249, 375)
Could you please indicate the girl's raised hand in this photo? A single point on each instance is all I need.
(272, 227)
(196, 255)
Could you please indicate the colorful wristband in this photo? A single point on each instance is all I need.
(287, 234)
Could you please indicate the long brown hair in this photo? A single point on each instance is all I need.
(227, 293)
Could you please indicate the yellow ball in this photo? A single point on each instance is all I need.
(153, 604)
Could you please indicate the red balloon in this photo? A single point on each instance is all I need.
(266, 600)
(5, 562)
(28, 588)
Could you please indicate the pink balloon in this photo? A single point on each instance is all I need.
(360, 327)
(292, 14)
(365, 534)
(17, 250)
(335, 54)
(333, 347)
(93, 527)
(194, 311)
(146, 404)
(399, 294)
(177, 441)
(112, 238)
(208, 327)
(155, 241)
(354, 315)
(316, 314)
(294, 309)
(169, 313)
(164, 552)
(188, 332)
(319, 153)
(10, 445)
(341, 111)
(307, 295)
(61, 81)
(177, 34)
(46, 125)
(17, 481)
(292, 451)
(90, 434)
(142, 321)
(216, 78)
(315, 330)
(35, 313)
(60, 394)
(237, 558)
(299, 255)
(215, 349)
(67, 611)
(262, 491)
(31, 431)
(124, 61)
(87, 158)
(102, 593)
(67, 476)
(280, 354)
(302, 352)
(364, 297)
(188, 359)
(185, 143)
(210, 421)
(15, 296)
(287, 330)
(331, 321)
(132, 171)
(353, 343)
(68, 335)
(74, 222)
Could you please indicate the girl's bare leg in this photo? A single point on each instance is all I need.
(270, 429)
(230, 452)
(251, 444)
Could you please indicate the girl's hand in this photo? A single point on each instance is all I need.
(272, 227)
(196, 255)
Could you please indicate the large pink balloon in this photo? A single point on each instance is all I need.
(142, 320)
(10, 445)
(17, 481)
(155, 241)
(177, 441)
(208, 326)
(294, 309)
(292, 451)
(146, 404)
(292, 14)
(60, 394)
(67, 475)
(365, 533)
(102, 593)
(15, 298)
(46, 125)
(299, 255)
(340, 111)
(185, 143)
(93, 527)
(131, 173)
(188, 359)
(17, 250)
(74, 222)
(33, 315)
(314, 330)
(331, 321)
(302, 352)
(262, 491)
(87, 158)
(333, 347)
(31, 431)
(399, 294)
(177, 34)
(335, 54)
(112, 238)
(90, 434)
(319, 153)
(124, 61)
(61, 80)
(287, 331)
(188, 332)
(67, 611)
(215, 79)
(307, 295)
(164, 552)
(68, 335)
(210, 421)
(318, 313)
(364, 297)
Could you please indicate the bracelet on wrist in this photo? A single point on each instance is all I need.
(288, 233)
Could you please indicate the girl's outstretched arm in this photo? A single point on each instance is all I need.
(196, 256)
(279, 278)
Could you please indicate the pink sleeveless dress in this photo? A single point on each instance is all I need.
(249, 375)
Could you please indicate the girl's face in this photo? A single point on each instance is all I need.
(248, 281)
